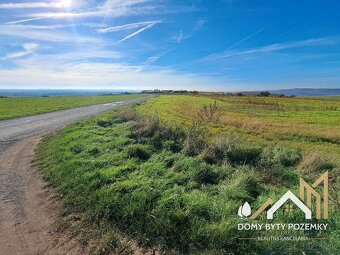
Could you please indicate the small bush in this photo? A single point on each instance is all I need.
(194, 142)
(210, 113)
(314, 163)
(216, 152)
(244, 184)
(231, 150)
(167, 135)
(244, 155)
(205, 174)
(76, 149)
(139, 151)
(146, 128)
(287, 157)
(104, 123)
(94, 151)
(172, 146)
(266, 160)
(126, 115)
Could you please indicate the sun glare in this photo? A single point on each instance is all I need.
(66, 3)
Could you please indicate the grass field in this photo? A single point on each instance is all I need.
(174, 180)
(19, 107)
(302, 123)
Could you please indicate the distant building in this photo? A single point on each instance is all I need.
(157, 91)
(168, 91)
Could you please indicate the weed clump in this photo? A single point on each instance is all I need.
(287, 157)
(94, 151)
(140, 151)
(104, 123)
(125, 115)
(230, 149)
(147, 127)
(76, 149)
(194, 142)
(314, 163)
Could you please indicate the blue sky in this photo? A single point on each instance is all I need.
(221, 45)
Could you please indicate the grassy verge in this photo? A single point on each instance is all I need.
(170, 187)
(19, 107)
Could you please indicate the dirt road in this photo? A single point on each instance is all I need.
(27, 211)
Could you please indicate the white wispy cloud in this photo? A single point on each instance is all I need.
(32, 5)
(129, 26)
(109, 4)
(28, 48)
(274, 48)
(84, 75)
(40, 35)
(116, 9)
(21, 21)
(180, 36)
(138, 32)
(42, 27)
(154, 58)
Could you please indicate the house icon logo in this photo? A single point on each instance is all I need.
(303, 202)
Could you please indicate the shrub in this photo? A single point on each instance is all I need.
(210, 113)
(244, 155)
(94, 151)
(197, 169)
(139, 151)
(231, 150)
(243, 185)
(215, 153)
(146, 127)
(287, 157)
(76, 149)
(104, 123)
(236, 153)
(205, 174)
(267, 160)
(166, 136)
(194, 142)
(313, 162)
(172, 146)
(126, 115)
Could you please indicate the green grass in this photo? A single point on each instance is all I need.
(19, 107)
(172, 187)
(301, 123)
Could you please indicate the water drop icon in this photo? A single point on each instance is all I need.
(244, 210)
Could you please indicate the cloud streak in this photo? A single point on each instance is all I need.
(29, 48)
(32, 5)
(246, 38)
(138, 32)
(275, 48)
(129, 26)
(40, 35)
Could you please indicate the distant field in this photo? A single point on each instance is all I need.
(325, 97)
(19, 107)
(161, 174)
(308, 124)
